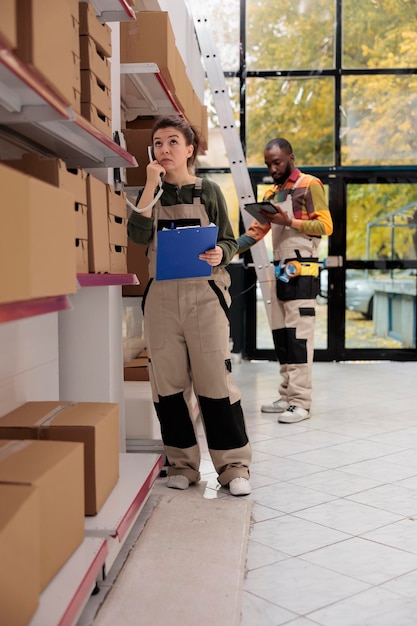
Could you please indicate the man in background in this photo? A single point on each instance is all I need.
(302, 218)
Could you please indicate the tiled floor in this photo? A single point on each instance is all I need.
(334, 534)
(333, 539)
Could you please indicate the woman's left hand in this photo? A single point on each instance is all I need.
(213, 256)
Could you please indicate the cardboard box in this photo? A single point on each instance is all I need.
(44, 40)
(8, 26)
(183, 87)
(81, 221)
(117, 230)
(98, 119)
(90, 25)
(118, 259)
(37, 232)
(98, 230)
(75, 46)
(55, 172)
(137, 263)
(91, 58)
(73, 5)
(137, 369)
(116, 202)
(150, 39)
(95, 92)
(137, 142)
(95, 424)
(81, 252)
(56, 468)
(204, 127)
(19, 553)
(142, 123)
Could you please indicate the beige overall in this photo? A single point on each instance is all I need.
(186, 329)
(293, 310)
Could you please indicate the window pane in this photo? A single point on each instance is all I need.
(380, 309)
(301, 110)
(276, 28)
(226, 184)
(225, 27)
(381, 222)
(379, 121)
(379, 34)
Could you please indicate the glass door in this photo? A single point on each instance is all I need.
(366, 308)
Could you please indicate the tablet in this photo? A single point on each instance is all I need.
(254, 207)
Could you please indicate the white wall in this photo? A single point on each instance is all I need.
(28, 361)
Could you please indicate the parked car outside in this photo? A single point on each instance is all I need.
(359, 291)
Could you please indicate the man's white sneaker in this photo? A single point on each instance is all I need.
(178, 481)
(279, 406)
(240, 486)
(294, 414)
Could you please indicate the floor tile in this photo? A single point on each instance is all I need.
(294, 536)
(393, 498)
(364, 560)
(374, 607)
(402, 535)
(336, 482)
(299, 586)
(348, 517)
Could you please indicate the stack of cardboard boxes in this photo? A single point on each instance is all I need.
(150, 39)
(47, 41)
(137, 368)
(95, 52)
(117, 229)
(58, 463)
(60, 222)
(67, 48)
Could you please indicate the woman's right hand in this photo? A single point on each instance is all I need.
(154, 172)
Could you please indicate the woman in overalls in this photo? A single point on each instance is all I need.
(186, 325)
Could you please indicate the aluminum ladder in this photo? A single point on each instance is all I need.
(215, 76)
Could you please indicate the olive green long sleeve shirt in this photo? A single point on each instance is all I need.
(140, 229)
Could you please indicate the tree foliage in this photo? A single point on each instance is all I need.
(378, 113)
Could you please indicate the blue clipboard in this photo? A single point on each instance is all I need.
(178, 250)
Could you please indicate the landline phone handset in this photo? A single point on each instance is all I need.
(151, 156)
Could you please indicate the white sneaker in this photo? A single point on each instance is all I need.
(279, 406)
(239, 486)
(178, 481)
(294, 414)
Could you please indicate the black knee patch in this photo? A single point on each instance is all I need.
(176, 426)
(289, 349)
(224, 423)
(280, 342)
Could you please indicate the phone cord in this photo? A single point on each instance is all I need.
(150, 205)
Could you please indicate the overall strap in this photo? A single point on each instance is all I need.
(197, 191)
(295, 185)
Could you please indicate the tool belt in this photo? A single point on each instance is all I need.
(291, 268)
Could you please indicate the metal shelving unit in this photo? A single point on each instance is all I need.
(113, 10)
(144, 91)
(64, 599)
(33, 118)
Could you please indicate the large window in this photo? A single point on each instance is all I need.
(338, 79)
